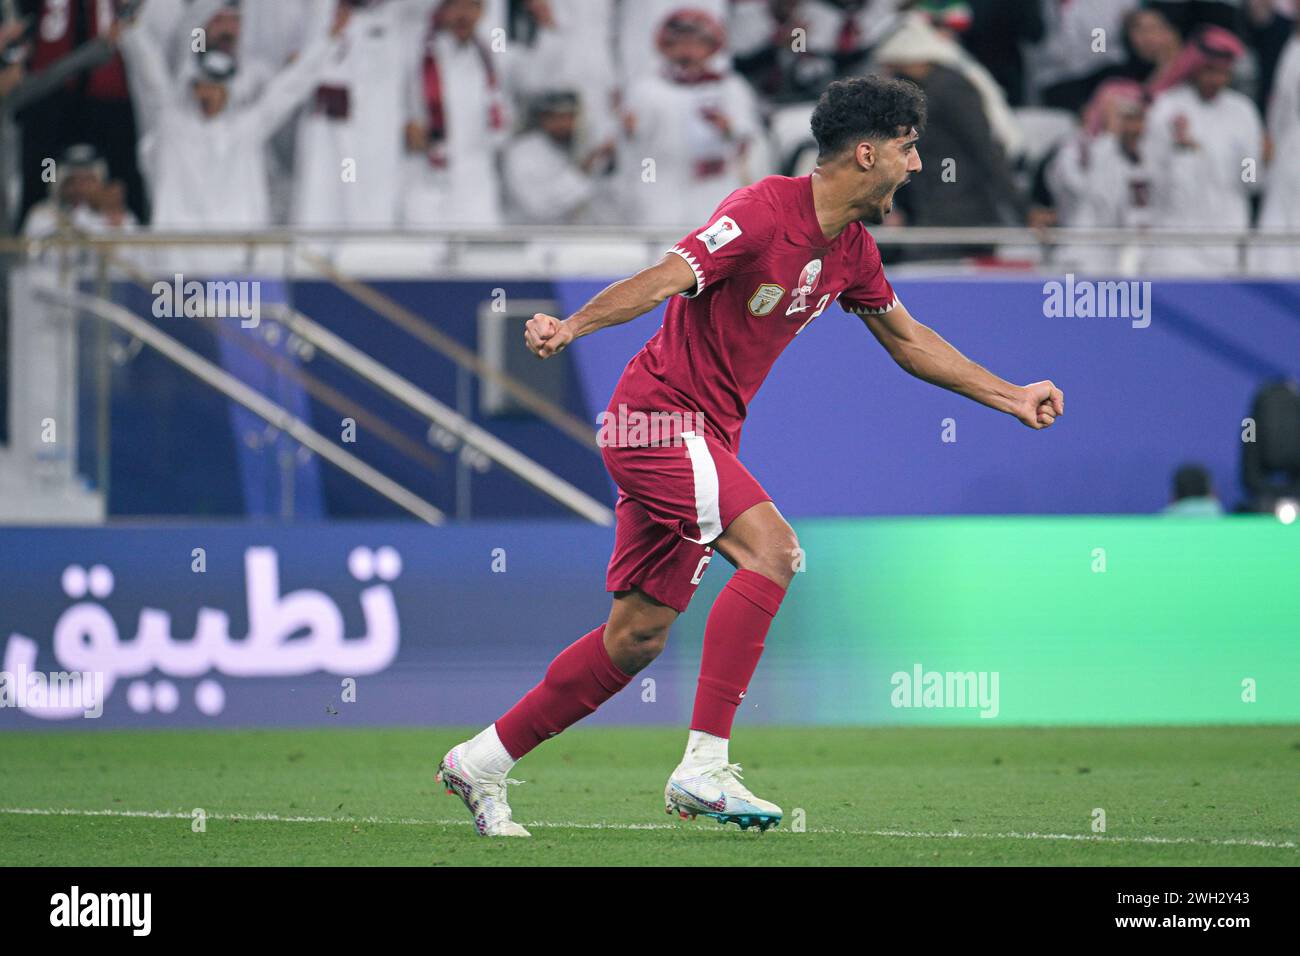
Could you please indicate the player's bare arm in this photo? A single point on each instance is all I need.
(621, 302)
(922, 352)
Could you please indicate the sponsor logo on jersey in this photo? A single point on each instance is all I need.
(719, 234)
(765, 298)
(807, 282)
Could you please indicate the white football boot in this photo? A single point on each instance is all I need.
(484, 794)
(717, 792)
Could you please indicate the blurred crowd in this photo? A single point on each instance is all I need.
(412, 114)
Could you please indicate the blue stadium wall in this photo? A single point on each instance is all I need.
(837, 429)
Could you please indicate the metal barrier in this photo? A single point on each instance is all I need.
(251, 399)
(108, 256)
(511, 253)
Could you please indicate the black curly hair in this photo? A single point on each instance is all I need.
(865, 107)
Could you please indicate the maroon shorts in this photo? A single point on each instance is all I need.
(673, 501)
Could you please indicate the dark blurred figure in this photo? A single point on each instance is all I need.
(791, 49)
(965, 179)
(1187, 15)
(996, 32)
(21, 90)
(1152, 45)
(774, 65)
(860, 26)
(91, 107)
(1269, 32)
(1270, 465)
(1194, 493)
(1070, 62)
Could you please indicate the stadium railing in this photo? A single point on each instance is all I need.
(75, 272)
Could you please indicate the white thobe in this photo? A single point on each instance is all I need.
(210, 172)
(576, 55)
(465, 190)
(1280, 212)
(348, 169)
(677, 166)
(543, 183)
(1114, 193)
(1206, 187)
(1280, 209)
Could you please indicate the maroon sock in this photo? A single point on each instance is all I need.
(733, 643)
(578, 681)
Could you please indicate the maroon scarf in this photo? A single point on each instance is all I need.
(435, 115)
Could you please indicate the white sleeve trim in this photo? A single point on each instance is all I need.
(695, 267)
(867, 310)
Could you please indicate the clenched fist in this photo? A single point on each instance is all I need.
(545, 335)
(1040, 404)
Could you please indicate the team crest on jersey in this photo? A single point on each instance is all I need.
(765, 298)
(807, 282)
(808, 278)
(719, 234)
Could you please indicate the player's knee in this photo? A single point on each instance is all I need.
(778, 557)
(794, 557)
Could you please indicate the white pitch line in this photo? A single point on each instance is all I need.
(1081, 837)
(416, 821)
(232, 817)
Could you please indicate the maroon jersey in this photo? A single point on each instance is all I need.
(763, 270)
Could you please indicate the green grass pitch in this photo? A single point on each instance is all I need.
(330, 797)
